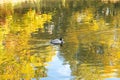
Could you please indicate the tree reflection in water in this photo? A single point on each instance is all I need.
(90, 30)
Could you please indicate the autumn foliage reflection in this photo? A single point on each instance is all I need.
(16, 60)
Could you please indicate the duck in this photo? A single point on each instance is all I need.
(57, 41)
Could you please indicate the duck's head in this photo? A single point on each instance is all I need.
(61, 38)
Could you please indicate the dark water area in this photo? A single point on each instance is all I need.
(91, 34)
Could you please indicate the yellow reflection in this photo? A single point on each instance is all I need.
(16, 60)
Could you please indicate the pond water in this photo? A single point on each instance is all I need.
(91, 34)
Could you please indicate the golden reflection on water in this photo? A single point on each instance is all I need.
(90, 31)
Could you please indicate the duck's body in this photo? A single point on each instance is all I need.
(57, 41)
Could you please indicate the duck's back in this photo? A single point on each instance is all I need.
(56, 41)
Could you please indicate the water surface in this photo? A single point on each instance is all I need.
(90, 30)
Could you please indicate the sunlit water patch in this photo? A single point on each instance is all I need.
(112, 79)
